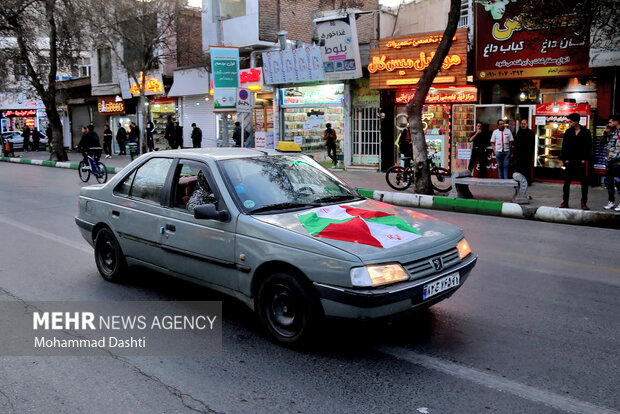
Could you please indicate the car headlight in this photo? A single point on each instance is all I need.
(463, 248)
(368, 276)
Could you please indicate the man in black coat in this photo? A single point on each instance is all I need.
(121, 137)
(178, 135)
(26, 136)
(196, 136)
(524, 151)
(576, 152)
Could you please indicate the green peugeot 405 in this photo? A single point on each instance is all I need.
(275, 230)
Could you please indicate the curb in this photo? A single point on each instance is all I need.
(57, 164)
(497, 208)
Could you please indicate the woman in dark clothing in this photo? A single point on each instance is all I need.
(149, 136)
(178, 135)
(121, 137)
(107, 141)
(480, 140)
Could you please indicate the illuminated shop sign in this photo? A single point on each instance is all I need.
(111, 105)
(440, 97)
(414, 42)
(20, 113)
(153, 85)
(400, 61)
(313, 95)
(251, 79)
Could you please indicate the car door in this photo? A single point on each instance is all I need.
(137, 214)
(201, 249)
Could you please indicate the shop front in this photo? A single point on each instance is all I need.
(396, 66)
(306, 111)
(162, 110)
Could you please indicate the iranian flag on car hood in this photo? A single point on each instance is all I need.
(356, 225)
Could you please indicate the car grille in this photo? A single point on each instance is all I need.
(423, 267)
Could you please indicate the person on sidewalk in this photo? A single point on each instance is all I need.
(178, 135)
(524, 151)
(612, 172)
(26, 136)
(576, 152)
(169, 133)
(36, 138)
(196, 136)
(134, 140)
(405, 146)
(480, 139)
(236, 134)
(501, 140)
(121, 137)
(107, 141)
(150, 143)
(330, 137)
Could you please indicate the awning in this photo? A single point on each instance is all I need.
(188, 82)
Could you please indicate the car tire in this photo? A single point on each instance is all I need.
(287, 310)
(109, 257)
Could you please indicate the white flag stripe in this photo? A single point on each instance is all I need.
(333, 213)
(390, 236)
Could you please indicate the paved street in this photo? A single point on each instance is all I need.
(534, 329)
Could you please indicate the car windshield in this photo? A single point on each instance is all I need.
(268, 184)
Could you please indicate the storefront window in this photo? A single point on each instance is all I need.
(162, 109)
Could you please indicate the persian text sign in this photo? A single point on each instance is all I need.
(303, 64)
(403, 97)
(110, 105)
(225, 67)
(152, 85)
(401, 61)
(339, 47)
(507, 47)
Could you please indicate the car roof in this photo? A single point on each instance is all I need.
(222, 153)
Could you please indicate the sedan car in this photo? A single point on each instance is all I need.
(275, 230)
(17, 139)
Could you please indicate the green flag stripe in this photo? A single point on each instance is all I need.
(315, 224)
(396, 222)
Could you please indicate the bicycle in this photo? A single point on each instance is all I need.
(400, 178)
(92, 166)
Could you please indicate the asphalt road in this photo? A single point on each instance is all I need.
(534, 329)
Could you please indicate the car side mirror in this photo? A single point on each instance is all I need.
(209, 212)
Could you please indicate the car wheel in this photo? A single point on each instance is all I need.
(286, 309)
(109, 257)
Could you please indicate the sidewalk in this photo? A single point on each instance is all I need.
(546, 197)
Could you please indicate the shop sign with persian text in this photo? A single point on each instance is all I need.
(400, 61)
(509, 47)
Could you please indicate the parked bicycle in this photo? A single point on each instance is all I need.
(400, 178)
(93, 166)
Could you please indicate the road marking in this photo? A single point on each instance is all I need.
(47, 235)
(495, 382)
(550, 260)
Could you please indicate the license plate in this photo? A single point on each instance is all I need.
(440, 285)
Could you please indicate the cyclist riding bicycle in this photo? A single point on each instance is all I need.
(89, 144)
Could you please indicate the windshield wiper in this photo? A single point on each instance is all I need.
(282, 206)
(338, 198)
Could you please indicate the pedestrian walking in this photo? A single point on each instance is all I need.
(236, 135)
(524, 151)
(121, 137)
(107, 141)
(26, 137)
(169, 133)
(405, 146)
(480, 139)
(50, 138)
(196, 136)
(150, 144)
(36, 139)
(501, 141)
(612, 164)
(330, 137)
(178, 135)
(134, 139)
(576, 152)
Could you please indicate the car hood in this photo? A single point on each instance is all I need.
(435, 235)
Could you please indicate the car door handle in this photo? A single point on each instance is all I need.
(170, 227)
(115, 213)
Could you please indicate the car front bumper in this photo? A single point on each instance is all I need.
(388, 301)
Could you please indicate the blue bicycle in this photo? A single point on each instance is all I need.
(92, 166)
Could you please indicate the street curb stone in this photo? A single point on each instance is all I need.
(462, 205)
(497, 208)
(57, 164)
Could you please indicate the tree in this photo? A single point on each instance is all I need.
(140, 34)
(414, 107)
(42, 36)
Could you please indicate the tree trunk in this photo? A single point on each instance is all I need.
(56, 140)
(414, 107)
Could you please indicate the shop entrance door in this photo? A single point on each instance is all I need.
(366, 145)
